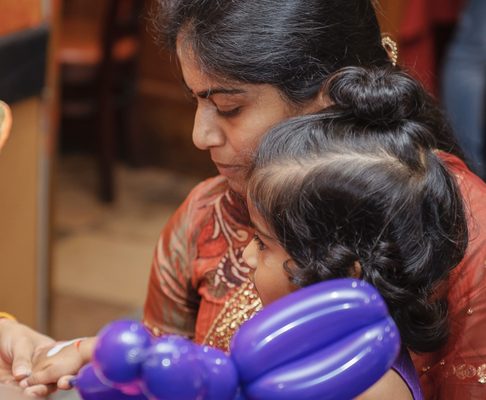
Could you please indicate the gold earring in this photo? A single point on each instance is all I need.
(391, 48)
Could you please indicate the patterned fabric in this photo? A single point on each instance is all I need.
(458, 372)
(197, 267)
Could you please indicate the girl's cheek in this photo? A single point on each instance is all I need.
(251, 275)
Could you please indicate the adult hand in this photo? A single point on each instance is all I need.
(18, 346)
(57, 365)
(12, 393)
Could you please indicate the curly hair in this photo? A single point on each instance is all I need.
(362, 182)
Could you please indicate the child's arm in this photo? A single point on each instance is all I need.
(58, 364)
(390, 386)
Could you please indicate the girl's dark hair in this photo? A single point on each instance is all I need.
(361, 181)
(293, 45)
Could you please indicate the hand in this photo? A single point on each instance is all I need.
(58, 368)
(18, 345)
(11, 393)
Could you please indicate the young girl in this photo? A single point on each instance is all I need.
(358, 191)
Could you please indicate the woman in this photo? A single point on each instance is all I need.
(250, 65)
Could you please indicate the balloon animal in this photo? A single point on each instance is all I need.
(328, 341)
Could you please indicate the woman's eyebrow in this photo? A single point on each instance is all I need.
(204, 94)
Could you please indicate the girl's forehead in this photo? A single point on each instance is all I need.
(257, 220)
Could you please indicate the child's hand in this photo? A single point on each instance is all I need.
(57, 365)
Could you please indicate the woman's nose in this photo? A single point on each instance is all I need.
(206, 133)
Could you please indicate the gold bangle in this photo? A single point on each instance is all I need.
(6, 315)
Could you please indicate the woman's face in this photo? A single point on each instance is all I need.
(231, 117)
(266, 258)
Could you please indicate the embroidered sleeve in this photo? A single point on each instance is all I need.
(172, 302)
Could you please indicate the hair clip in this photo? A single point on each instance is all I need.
(391, 48)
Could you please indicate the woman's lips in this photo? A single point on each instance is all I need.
(228, 169)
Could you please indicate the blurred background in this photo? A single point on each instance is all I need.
(100, 153)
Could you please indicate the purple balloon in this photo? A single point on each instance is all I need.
(90, 387)
(303, 322)
(340, 371)
(119, 354)
(173, 370)
(221, 379)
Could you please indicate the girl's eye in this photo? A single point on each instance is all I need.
(261, 246)
(229, 113)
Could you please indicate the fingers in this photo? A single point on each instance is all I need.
(40, 390)
(42, 377)
(64, 383)
(22, 359)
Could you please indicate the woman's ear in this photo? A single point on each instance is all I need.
(355, 270)
(321, 102)
(325, 100)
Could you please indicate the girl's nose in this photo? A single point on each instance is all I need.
(206, 133)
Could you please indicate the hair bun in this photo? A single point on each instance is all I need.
(376, 95)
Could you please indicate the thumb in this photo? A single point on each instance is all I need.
(65, 382)
(22, 359)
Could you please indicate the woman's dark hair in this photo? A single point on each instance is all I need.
(293, 45)
(361, 182)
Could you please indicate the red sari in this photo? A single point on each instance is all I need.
(458, 371)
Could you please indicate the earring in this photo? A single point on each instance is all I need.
(391, 48)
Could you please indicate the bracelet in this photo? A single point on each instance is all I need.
(6, 315)
(61, 345)
(77, 343)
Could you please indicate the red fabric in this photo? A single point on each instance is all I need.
(197, 263)
(458, 372)
(418, 36)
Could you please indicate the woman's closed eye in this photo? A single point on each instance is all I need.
(260, 244)
(229, 113)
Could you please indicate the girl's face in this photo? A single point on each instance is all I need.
(231, 117)
(266, 258)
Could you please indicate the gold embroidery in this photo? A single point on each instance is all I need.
(231, 269)
(242, 305)
(467, 372)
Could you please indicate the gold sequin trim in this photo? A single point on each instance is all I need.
(467, 372)
(240, 307)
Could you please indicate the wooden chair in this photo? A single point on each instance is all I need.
(98, 64)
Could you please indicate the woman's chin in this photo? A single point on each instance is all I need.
(237, 185)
